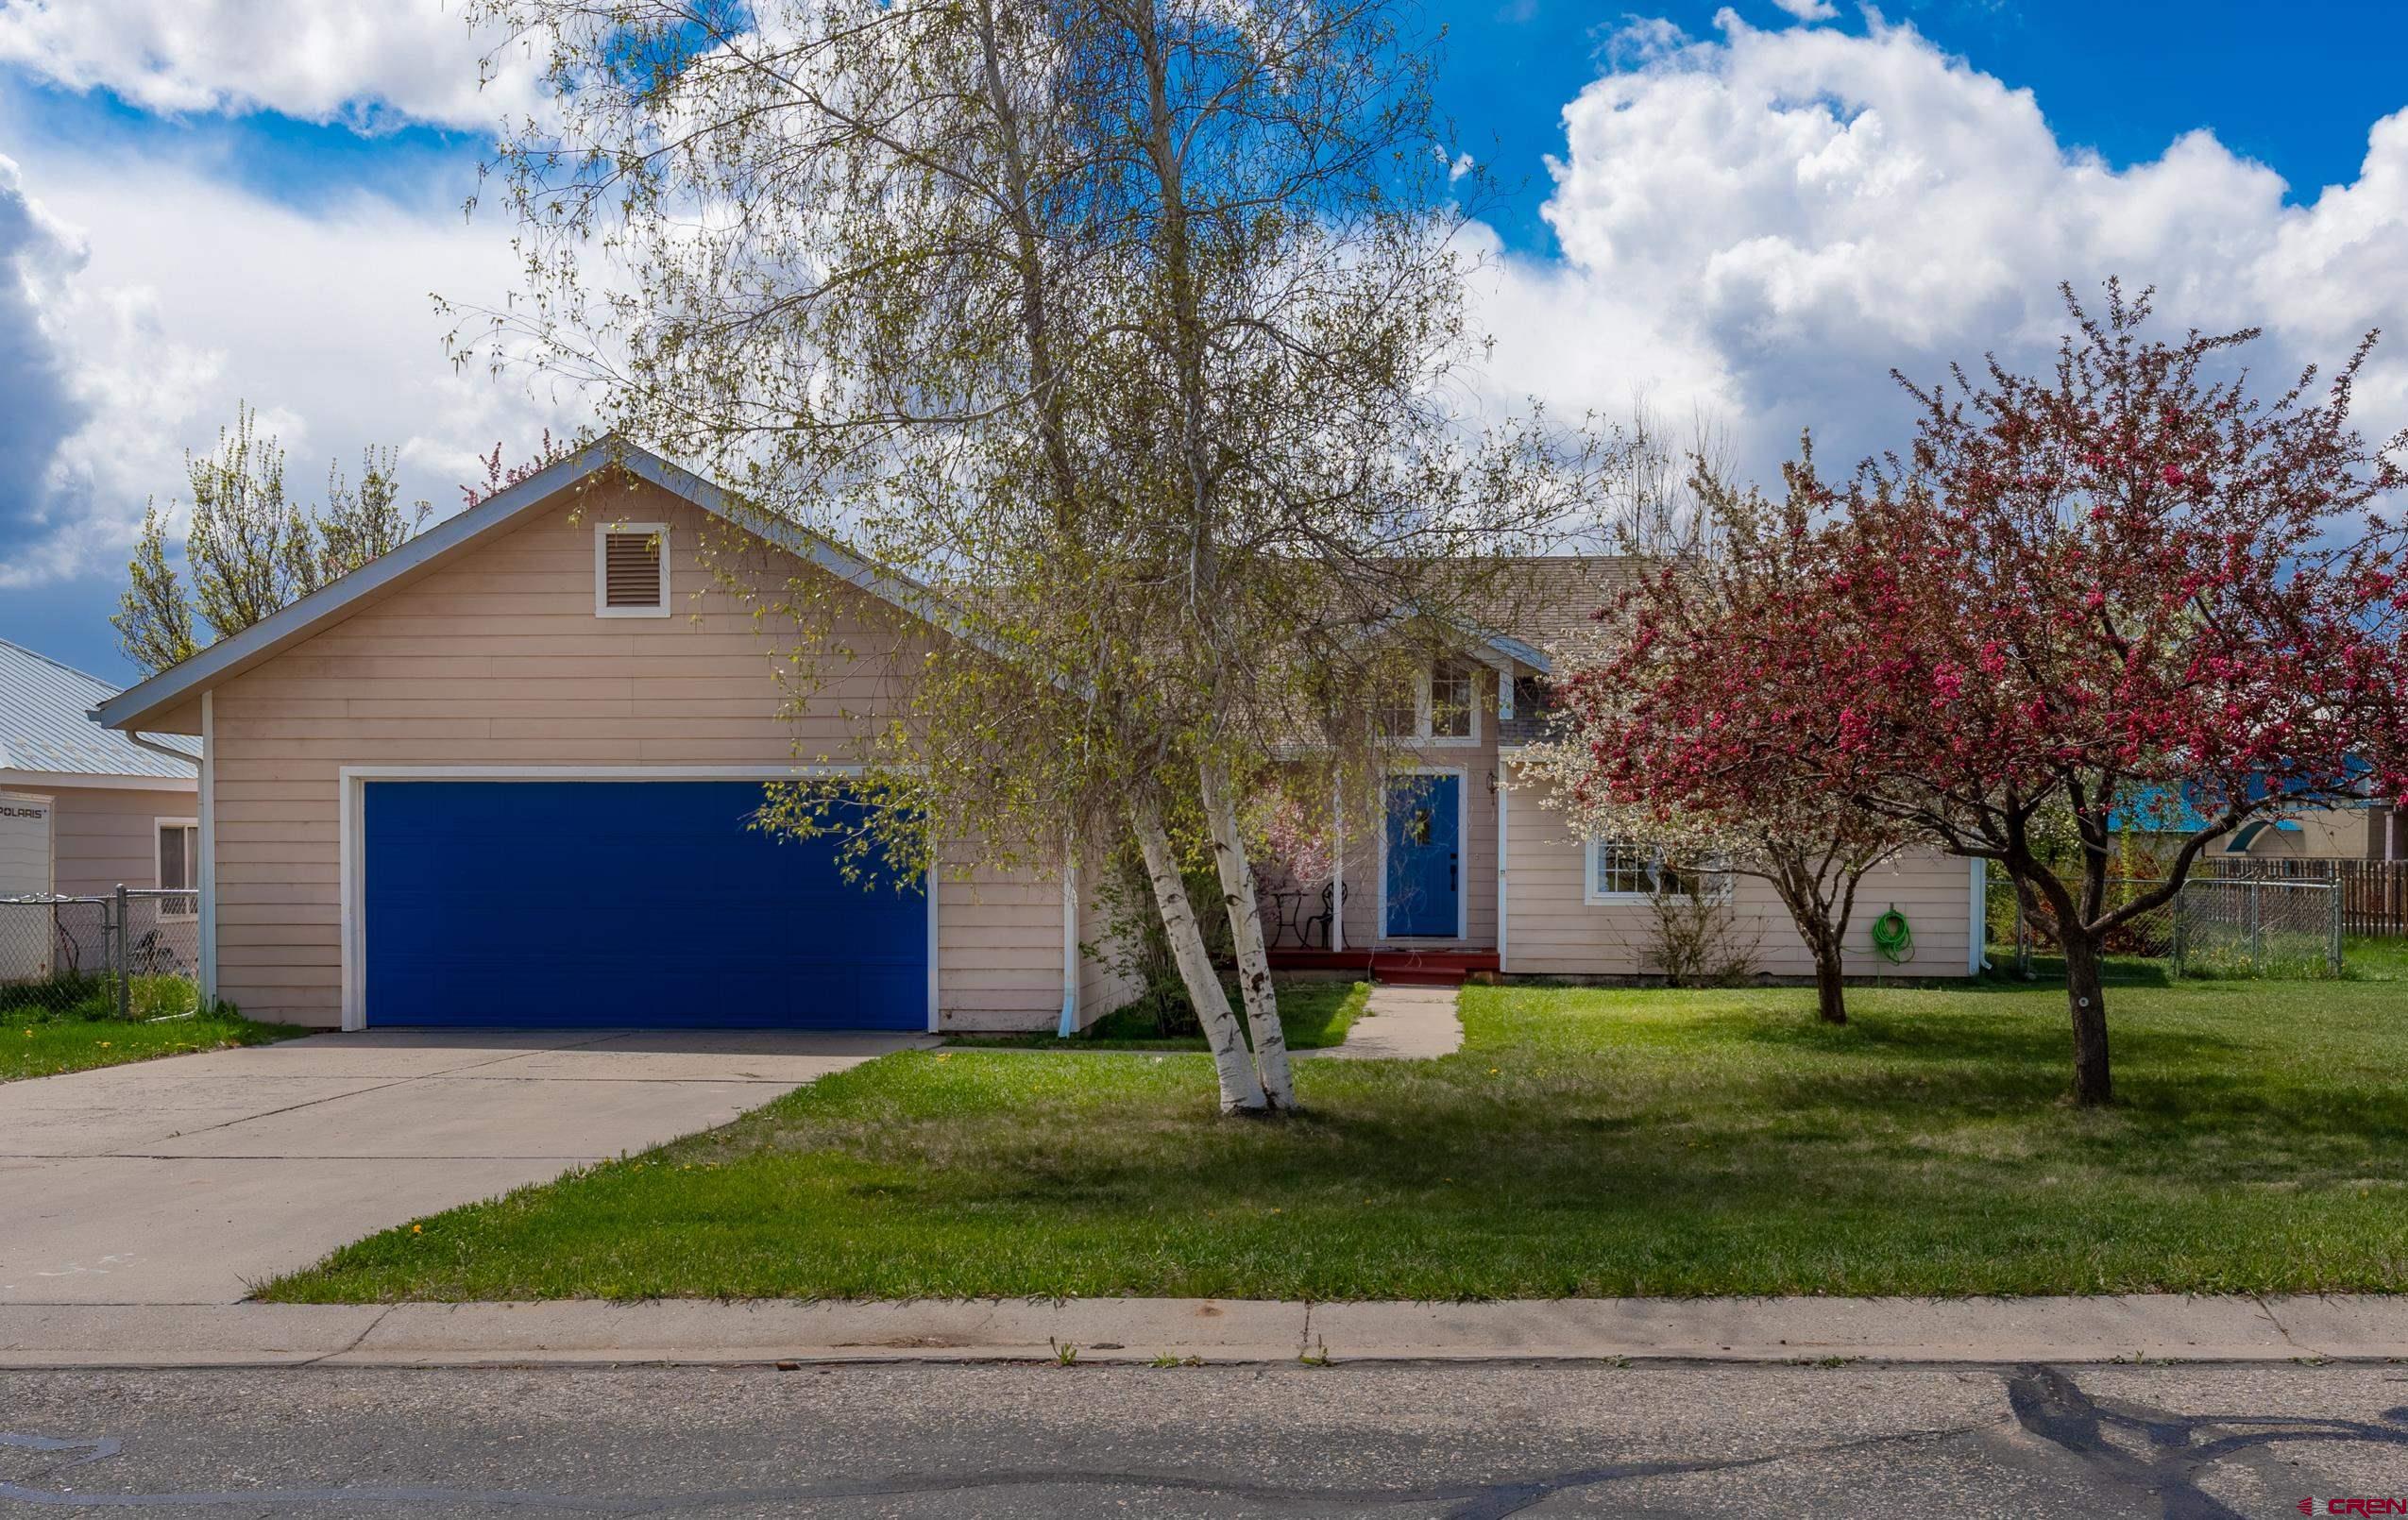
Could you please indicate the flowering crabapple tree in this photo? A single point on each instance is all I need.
(1666, 747)
(2133, 576)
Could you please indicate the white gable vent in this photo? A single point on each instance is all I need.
(631, 569)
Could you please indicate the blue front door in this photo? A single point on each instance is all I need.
(1425, 855)
(623, 902)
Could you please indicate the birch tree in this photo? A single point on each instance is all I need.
(1116, 330)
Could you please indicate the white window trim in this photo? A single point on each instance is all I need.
(192, 865)
(351, 853)
(1421, 738)
(603, 531)
(1463, 859)
(1724, 890)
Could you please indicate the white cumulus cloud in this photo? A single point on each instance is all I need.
(40, 259)
(362, 61)
(162, 297)
(1759, 226)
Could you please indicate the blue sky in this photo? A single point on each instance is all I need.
(1758, 213)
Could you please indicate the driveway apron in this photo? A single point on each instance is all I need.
(189, 1180)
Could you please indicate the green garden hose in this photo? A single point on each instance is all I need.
(1893, 938)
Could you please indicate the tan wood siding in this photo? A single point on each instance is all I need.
(1552, 931)
(497, 658)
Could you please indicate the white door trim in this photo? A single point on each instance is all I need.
(1463, 855)
(352, 851)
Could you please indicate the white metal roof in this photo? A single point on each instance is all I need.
(46, 725)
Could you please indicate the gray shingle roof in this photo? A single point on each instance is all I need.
(45, 724)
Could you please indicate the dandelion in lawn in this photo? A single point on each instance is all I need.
(417, 1229)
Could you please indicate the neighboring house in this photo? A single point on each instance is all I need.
(504, 775)
(2364, 828)
(1469, 870)
(85, 810)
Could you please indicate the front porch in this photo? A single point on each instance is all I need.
(1397, 966)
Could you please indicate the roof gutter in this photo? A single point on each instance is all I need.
(192, 760)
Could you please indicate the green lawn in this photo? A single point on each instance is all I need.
(1312, 1015)
(1584, 1142)
(2375, 961)
(33, 1043)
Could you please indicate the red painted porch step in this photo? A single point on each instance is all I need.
(1398, 967)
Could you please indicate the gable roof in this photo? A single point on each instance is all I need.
(229, 657)
(45, 725)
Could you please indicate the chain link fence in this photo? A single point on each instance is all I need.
(2211, 927)
(132, 955)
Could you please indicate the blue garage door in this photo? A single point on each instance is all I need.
(623, 904)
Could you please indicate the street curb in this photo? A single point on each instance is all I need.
(2147, 1328)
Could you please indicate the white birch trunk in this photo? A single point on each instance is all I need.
(1241, 1091)
(1246, 933)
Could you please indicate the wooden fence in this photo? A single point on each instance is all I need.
(2374, 893)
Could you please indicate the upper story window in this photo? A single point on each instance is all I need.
(1453, 701)
(631, 569)
(1441, 705)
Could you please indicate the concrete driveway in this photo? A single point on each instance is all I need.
(189, 1179)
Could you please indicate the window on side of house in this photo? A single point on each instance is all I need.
(1623, 873)
(1618, 870)
(631, 569)
(180, 866)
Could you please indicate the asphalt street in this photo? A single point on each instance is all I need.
(1375, 1441)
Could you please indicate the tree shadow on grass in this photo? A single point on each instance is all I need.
(2022, 1039)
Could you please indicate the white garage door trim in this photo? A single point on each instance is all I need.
(351, 863)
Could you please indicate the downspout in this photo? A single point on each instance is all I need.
(1980, 938)
(1068, 1025)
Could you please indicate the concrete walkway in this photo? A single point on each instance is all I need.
(2152, 1329)
(1401, 1023)
(186, 1180)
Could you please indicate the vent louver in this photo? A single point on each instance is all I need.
(631, 569)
